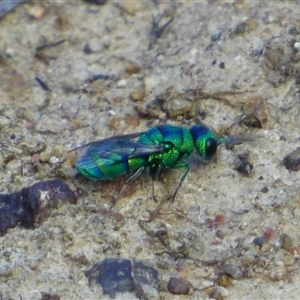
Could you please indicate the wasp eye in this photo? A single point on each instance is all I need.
(211, 147)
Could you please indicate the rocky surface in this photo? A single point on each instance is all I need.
(71, 74)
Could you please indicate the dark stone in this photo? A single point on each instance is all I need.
(232, 270)
(292, 161)
(243, 165)
(145, 280)
(122, 275)
(33, 204)
(47, 296)
(114, 275)
(215, 37)
(222, 65)
(87, 49)
(97, 2)
(285, 241)
(177, 286)
(259, 241)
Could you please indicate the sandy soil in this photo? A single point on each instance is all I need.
(214, 62)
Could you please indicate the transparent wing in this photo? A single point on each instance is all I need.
(114, 150)
(103, 142)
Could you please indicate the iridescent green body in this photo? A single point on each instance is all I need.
(161, 147)
(179, 143)
(113, 157)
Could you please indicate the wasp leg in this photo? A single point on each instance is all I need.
(155, 173)
(179, 166)
(127, 182)
(153, 191)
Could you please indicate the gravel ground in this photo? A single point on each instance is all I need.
(75, 72)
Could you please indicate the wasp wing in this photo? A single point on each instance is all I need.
(114, 150)
(105, 142)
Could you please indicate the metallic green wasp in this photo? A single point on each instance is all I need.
(161, 147)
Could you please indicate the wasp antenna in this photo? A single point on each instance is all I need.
(236, 139)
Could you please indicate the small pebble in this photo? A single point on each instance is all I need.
(35, 158)
(234, 271)
(133, 68)
(218, 293)
(54, 160)
(87, 48)
(292, 161)
(297, 46)
(219, 219)
(222, 65)
(269, 234)
(194, 51)
(47, 154)
(10, 52)
(114, 275)
(130, 7)
(258, 48)
(279, 263)
(215, 37)
(210, 223)
(243, 165)
(48, 296)
(154, 108)
(265, 189)
(121, 83)
(4, 122)
(285, 241)
(259, 270)
(295, 251)
(36, 11)
(179, 286)
(293, 31)
(146, 280)
(34, 204)
(259, 241)
(244, 28)
(224, 280)
(138, 94)
(178, 106)
(220, 234)
(288, 260)
(278, 274)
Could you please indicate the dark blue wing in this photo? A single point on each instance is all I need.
(114, 150)
(104, 142)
